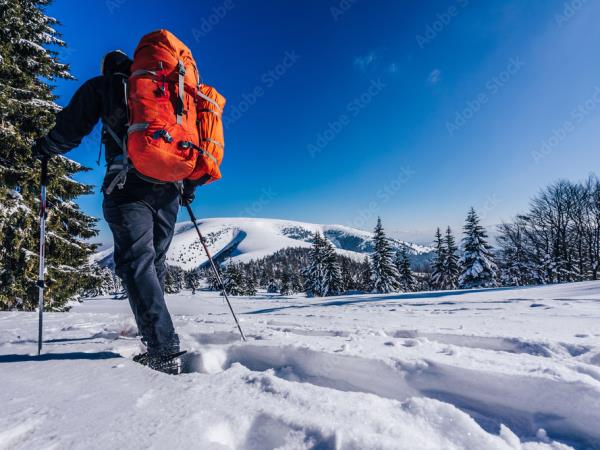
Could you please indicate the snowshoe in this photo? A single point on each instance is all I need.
(169, 363)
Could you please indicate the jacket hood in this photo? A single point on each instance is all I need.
(115, 61)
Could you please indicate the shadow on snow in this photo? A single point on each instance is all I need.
(380, 298)
(58, 357)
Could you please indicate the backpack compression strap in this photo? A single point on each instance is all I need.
(180, 103)
(122, 167)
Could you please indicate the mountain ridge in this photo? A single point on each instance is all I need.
(245, 238)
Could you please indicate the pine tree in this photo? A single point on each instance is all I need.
(451, 268)
(477, 261)
(407, 278)
(191, 280)
(27, 112)
(286, 284)
(516, 265)
(384, 275)
(249, 284)
(212, 280)
(348, 283)
(313, 273)
(296, 284)
(334, 284)
(437, 274)
(103, 282)
(322, 276)
(366, 283)
(233, 279)
(272, 287)
(174, 280)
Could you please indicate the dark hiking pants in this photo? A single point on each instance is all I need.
(142, 217)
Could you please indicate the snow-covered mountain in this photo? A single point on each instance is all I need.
(245, 239)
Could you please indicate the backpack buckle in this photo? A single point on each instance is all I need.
(162, 134)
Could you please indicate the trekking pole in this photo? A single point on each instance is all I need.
(214, 266)
(41, 275)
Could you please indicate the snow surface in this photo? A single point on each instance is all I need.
(245, 239)
(487, 369)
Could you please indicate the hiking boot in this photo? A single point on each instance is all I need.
(142, 359)
(169, 363)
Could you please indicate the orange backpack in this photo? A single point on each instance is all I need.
(175, 125)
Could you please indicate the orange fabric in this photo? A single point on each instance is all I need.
(165, 150)
(210, 130)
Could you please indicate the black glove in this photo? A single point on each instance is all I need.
(40, 150)
(188, 193)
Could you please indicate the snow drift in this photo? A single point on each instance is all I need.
(475, 370)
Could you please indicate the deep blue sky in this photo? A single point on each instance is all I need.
(340, 111)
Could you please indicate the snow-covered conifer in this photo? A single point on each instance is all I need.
(272, 287)
(27, 111)
(348, 282)
(365, 283)
(477, 261)
(250, 284)
(322, 276)
(407, 278)
(384, 275)
(451, 268)
(437, 273)
(191, 280)
(233, 279)
(174, 279)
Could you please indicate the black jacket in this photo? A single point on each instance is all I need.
(100, 98)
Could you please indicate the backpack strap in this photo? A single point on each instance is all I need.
(180, 103)
(100, 149)
(120, 163)
(187, 144)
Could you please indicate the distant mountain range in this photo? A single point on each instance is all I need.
(245, 239)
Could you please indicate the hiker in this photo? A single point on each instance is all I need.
(141, 215)
(163, 134)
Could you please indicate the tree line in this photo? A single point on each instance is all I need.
(557, 240)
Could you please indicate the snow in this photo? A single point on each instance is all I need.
(39, 103)
(483, 369)
(32, 45)
(255, 238)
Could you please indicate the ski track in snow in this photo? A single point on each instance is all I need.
(488, 369)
